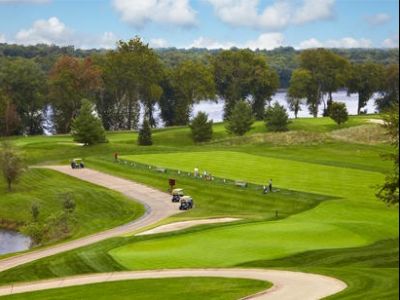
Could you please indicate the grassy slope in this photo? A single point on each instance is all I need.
(167, 289)
(96, 208)
(368, 282)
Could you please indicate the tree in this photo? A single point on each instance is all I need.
(389, 191)
(11, 163)
(243, 74)
(241, 119)
(86, 127)
(192, 82)
(298, 91)
(10, 121)
(328, 70)
(390, 89)
(23, 85)
(202, 128)
(131, 74)
(365, 79)
(71, 80)
(145, 135)
(338, 113)
(263, 84)
(304, 85)
(276, 118)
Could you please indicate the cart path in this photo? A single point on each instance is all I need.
(158, 206)
(185, 224)
(286, 285)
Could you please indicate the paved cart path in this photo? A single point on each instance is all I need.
(286, 285)
(185, 224)
(158, 207)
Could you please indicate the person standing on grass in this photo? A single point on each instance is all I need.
(116, 156)
(196, 172)
(270, 185)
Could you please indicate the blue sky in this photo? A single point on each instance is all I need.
(263, 24)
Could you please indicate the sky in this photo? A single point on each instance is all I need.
(262, 24)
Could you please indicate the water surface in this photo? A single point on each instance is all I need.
(13, 241)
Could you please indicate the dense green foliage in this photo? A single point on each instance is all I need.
(365, 79)
(242, 74)
(338, 112)
(276, 118)
(86, 128)
(389, 191)
(241, 119)
(11, 164)
(191, 82)
(202, 128)
(145, 134)
(22, 97)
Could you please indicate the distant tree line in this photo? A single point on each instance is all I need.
(38, 82)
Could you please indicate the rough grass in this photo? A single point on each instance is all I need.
(365, 134)
(149, 289)
(96, 208)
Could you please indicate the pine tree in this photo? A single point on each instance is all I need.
(202, 130)
(87, 128)
(276, 118)
(241, 119)
(145, 138)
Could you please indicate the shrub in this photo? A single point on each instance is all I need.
(276, 118)
(11, 164)
(145, 135)
(241, 119)
(87, 128)
(202, 128)
(338, 113)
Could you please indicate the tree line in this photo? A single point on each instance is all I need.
(118, 83)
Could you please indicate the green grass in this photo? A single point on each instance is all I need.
(96, 208)
(331, 223)
(228, 246)
(168, 289)
(371, 270)
(216, 200)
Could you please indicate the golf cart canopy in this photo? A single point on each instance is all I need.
(177, 192)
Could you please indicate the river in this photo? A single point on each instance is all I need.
(215, 110)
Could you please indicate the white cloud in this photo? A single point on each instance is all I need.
(378, 19)
(51, 31)
(278, 15)
(203, 42)
(158, 43)
(313, 10)
(266, 41)
(347, 42)
(310, 43)
(391, 42)
(139, 12)
(2, 38)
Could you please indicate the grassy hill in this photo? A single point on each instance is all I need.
(329, 220)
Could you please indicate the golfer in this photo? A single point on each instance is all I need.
(196, 172)
(270, 185)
